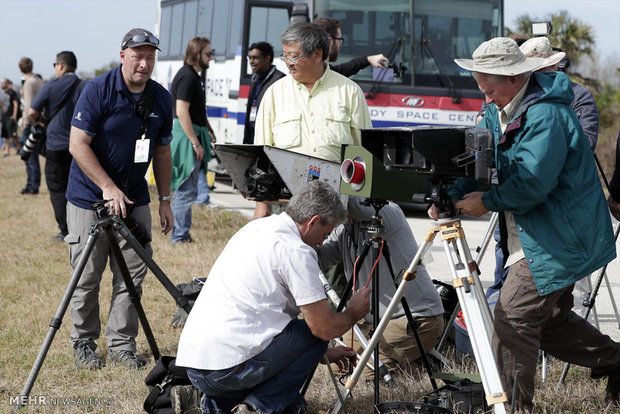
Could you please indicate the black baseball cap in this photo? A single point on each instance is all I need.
(139, 37)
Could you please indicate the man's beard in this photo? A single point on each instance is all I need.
(204, 65)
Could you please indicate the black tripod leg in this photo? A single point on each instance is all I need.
(57, 319)
(132, 292)
(150, 263)
(412, 322)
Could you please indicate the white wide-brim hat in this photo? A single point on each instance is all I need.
(540, 47)
(500, 56)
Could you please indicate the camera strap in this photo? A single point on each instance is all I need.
(62, 104)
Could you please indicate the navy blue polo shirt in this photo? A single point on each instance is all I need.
(106, 112)
(49, 98)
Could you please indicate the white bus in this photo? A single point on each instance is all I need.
(420, 36)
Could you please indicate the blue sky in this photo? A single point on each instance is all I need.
(93, 29)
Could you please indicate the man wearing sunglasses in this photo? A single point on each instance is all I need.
(314, 110)
(121, 122)
(191, 143)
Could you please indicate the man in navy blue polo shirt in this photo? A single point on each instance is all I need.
(54, 105)
(122, 120)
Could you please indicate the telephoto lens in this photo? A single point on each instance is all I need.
(37, 132)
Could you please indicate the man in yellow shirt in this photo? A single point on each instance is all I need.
(313, 110)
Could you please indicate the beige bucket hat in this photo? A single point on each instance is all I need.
(500, 56)
(540, 47)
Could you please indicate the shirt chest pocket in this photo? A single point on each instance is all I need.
(338, 128)
(287, 130)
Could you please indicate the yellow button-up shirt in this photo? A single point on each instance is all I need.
(315, 123)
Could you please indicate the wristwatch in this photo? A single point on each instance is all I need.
(165, 198)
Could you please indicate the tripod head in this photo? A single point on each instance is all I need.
(439, 198)
(101, 210)
(375, 224)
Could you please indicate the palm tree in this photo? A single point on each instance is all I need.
(571, 35)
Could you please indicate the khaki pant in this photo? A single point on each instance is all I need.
(398, 349)
(526, 322)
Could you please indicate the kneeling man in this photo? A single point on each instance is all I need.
(243, 343)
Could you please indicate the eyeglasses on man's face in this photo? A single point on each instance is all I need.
(291, 60)
(141, 38)
(255, 57)
(339, 39)
(211, 53)
(55, 63)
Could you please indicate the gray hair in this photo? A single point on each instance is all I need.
(500, 79)
(309, 36)
(317, 198)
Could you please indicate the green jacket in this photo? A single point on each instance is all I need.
(548, 180)
(183, 156)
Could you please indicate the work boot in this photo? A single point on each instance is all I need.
(185, 399)
(126, 358)
(85, 356)
(612, 391)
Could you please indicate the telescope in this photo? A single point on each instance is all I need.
(408, 163)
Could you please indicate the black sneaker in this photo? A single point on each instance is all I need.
(126, 358)
(185, 399)
(59, 238)
(86, 357)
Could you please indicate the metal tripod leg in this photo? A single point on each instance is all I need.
(389, 311)
(599, 279)
(57, 319)
(331, 293)
(134, 297)
(475, 311)
(480, 250)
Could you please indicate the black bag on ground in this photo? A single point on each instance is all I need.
(164, 375)
(462, 397)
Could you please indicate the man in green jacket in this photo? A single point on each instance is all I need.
(555, 224)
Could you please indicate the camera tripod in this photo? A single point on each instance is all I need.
(466, 280)
(380, 249)
(110, 225)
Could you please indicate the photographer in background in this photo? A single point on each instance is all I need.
(122, 120)
(552, 238)
(54, 106)
(397, 348)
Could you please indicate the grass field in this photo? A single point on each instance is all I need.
(34, 273)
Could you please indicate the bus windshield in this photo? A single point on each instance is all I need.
(424, 36)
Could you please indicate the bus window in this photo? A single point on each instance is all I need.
(266, 25)
(205, 18)
(370, 27)
(189, 22)
(451, 31)
(164, 31)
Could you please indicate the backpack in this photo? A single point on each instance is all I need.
(164, 375)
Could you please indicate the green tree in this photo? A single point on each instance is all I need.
(572, 35)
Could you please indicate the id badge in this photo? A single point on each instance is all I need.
(142, 150)
(253, 114)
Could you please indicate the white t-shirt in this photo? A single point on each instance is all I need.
(253, 291)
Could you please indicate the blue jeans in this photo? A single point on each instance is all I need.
(33, 168)
(500, 272)
(203, 190)
(270, 381)
(182, 201)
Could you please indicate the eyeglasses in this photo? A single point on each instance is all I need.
(141, 38)
(211, 53)
(294, 60)
(340, 39)
(254, 57)
(56, 63)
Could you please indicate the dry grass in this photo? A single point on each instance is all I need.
(34, 275)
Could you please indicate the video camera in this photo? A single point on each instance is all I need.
(409, 163)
